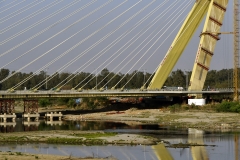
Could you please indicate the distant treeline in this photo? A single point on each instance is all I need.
(215, 79)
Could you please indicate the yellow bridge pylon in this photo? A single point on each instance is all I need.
(214, 10)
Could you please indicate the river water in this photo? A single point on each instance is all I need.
(219, 145)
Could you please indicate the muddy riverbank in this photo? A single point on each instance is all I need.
(206, 120)
(26, 156)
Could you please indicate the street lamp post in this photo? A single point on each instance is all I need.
(144, 76)
(96, 79)
(46, 78)
(186, 80)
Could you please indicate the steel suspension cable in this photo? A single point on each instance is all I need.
(94, 58)
(176, 41)
(69, 63)
(73, 60)
(39, 22)
(157, 47)
(54, 3)
(49, 27)
(19, 11)
(130, 42)
(127, 43)
(146, 53)
(147, 44)
(85, 38)
(65, 41)
(11, 6)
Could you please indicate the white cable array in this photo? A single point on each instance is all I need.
(67, 64)
(153, 54)
(7, 4)
(53, 37)
(178, 15)
(49, 27)
(73, 60)
(60, 56)
(98, 42)
(11, 6)
(129, 43)
(19, 11)
(142, 33)
(2, 1)
(90, 61)
(54, 3)
(39, 22)
(63, 54)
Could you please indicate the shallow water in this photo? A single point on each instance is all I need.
(20, 126)
(220, 145)
(224, 149)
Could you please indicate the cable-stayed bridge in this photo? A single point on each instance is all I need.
(88, 36)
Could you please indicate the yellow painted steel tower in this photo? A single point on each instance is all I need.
(214, 10)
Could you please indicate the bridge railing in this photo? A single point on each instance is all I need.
(108, 90)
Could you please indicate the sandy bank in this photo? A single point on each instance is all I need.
(185, 119)
(25, 156)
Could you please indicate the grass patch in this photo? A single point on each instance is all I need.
(95, 135)
(65, 140)
(75, 141)
(19, 153)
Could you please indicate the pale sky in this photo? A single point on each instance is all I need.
(22, 19)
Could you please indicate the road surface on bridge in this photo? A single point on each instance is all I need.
(106, 93)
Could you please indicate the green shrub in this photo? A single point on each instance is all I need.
(228, 107)
(44, 102)
(174, 108)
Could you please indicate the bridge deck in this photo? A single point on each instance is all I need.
(106, 93)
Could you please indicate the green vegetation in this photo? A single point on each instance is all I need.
(215, 79)
(75, 141)
(218, 107)
(18, 153)
(44, 102)
(228, 107)
(95, 135)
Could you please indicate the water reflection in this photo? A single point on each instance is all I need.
(139, 152)
(236, 141)
(21, 126)
(219, 146)
(6, 127)
(195, 136)
(226, 143)
(225, 149)
(161, 152)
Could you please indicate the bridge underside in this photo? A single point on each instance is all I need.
(69, 94)
(215, 10)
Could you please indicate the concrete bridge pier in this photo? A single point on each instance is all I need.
(50, 116)
(31, 110)
(7, 110)
(4, 117)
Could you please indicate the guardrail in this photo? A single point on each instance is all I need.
(110, 91)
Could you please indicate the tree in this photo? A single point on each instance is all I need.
(44, 102)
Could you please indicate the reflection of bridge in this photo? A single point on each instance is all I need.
(106, 93)
(197, 147)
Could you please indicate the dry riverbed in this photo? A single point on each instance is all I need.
(184, 119)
